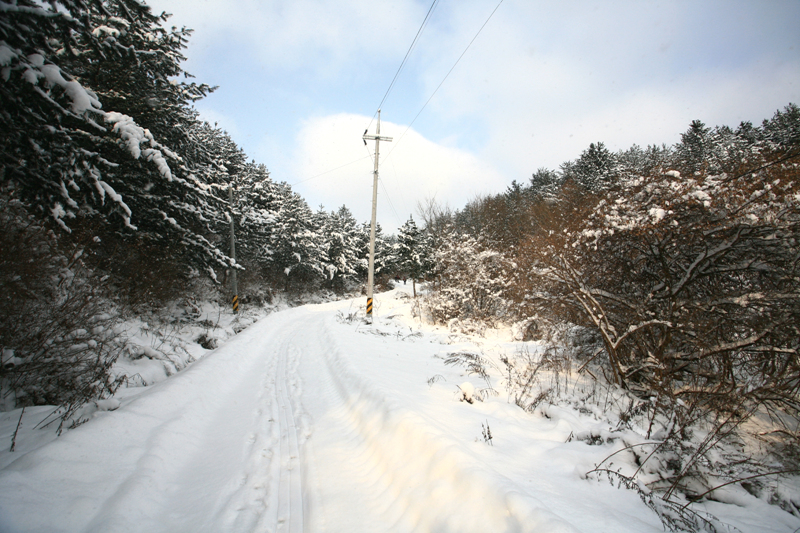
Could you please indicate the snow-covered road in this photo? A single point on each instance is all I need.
(305, 422)
(272, 432)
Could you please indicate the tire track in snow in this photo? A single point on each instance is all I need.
(291, 508)
(345, 491)
(248, 507)
(217, 444)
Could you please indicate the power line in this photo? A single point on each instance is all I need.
(386, 192)
(391, 85)
(408, 53)
(399, 192)
(331, 170)
(445, 78)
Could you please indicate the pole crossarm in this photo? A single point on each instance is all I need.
(376, 138)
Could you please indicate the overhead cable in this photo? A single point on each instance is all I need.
(386, 193)
(331, 170)
(408, 53)
(443, 80)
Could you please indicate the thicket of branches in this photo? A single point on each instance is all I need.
(683, 264)
(58, 330)
(690, 276)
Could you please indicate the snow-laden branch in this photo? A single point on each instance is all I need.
(6, 7)
(705, 255)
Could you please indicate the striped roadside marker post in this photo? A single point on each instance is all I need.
(235, 303)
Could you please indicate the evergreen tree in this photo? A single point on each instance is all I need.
(594, 170)
(91, 169)
(296, 249)
(258, 199)
(782, 131)
(695, 148)
(411, 252)
(384, 251)
(132, 64)
(545, 183)
(342, 242)
(385, 260)
(212, 158)
(636, 161)
(473, 280)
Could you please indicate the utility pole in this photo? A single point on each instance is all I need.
(371, 275)
(234, 285)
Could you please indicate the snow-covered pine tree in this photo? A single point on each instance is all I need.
(472, 280)
(782, 131)
(218, 166)
(545, 183)
(297, 250)
(385, 260)
(595, 169)
(694, 149)
(92, 170)
(638, 161)
(257, 200)
(342, 242)
(411, 252)
(211, 157)
(133, 65)
(384, 252)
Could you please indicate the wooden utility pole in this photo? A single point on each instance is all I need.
(371, 275)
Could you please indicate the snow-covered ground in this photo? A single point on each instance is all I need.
(310, 420)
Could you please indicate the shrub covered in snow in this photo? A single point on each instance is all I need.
(471, 281)
(691, 283)
(57, 326)
(678, 265)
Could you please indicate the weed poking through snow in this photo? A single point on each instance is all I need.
(487, 434)
(467, 390)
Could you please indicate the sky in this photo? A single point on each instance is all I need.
(299, 82)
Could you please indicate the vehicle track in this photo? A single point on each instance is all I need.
(291, 510)
(231, 450)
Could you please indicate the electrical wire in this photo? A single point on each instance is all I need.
(443, 80)
(386, 192)
(399, 190)
(402, 64)
(329, 171)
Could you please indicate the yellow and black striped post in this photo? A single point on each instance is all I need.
(369, 307)
(235, 303)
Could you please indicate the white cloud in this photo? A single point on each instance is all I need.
(295, 33)
(412, 168)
